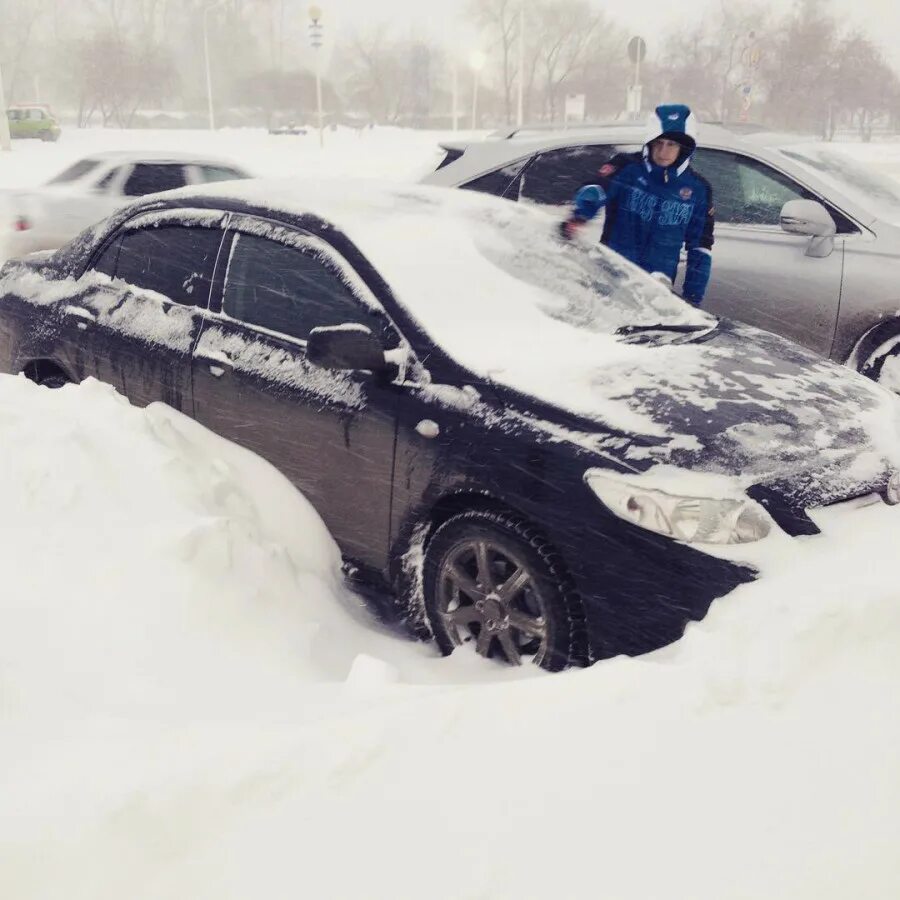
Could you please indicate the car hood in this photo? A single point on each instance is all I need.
(741, 402)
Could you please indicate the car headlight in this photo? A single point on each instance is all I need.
(690, 519)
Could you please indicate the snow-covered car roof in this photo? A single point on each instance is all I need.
(175, 156)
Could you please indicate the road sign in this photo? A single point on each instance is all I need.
(637, 49)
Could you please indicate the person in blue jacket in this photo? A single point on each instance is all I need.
(656, 203)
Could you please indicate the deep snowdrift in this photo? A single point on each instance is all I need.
(192, 705)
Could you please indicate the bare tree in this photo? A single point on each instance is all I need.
(499, 21)
(18, 21)
(567, 29)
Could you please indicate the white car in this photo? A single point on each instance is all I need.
(807, 241)
(95, 187)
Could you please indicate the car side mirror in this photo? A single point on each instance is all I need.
(345, 347)
(809, 217)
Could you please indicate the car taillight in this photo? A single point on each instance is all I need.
(21, 224)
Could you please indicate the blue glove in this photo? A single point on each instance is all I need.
(589, 201)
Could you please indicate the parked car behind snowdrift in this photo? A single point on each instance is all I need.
(529, 447)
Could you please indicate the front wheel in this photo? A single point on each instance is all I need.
(883, 366)
(493, 582)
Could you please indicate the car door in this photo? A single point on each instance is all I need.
(330, 432)
(761, 274)
(137, 331)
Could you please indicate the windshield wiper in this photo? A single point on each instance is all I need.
(676, 329)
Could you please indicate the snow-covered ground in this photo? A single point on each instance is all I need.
(192, 704)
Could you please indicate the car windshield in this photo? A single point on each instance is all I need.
(75, 171)
(581, 285)
(500, 292)
(877, 193)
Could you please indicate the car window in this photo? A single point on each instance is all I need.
(210, 174)
(748, 192)
(36, 114)
(289, 290)
(176, 261)
(106, 261)
(499, 182)
(149, 178)
(107, 179)
(75, 171)
(554, 177)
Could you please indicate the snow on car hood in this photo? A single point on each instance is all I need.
(746, 403)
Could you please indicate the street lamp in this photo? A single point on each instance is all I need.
(520, 106)
(315, 39)
(210, 6)
(476, 61)
(4, 121)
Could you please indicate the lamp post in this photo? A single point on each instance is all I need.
(315, 39)
(520, 112)
(4, 121)
(476, 61)
(455, 96)
(207, 9)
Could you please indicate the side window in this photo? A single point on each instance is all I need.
(176, 261)
(747, 192)
(104, 183)
(106, 262)
(211, 174)
(288, 290)
(147, 178)
(499, 182)
(554, 177)
(36, 115)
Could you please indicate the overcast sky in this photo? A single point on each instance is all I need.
(445, 19)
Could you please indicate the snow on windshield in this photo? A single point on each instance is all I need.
(860, 183)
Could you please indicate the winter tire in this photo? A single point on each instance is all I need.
(492, 581)
(874, 368)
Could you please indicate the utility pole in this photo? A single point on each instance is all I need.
(315, 39)
(476, 61)
(5, 143)
(455, 96)
(520, 114)
(209, 91)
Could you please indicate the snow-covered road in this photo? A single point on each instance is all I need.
(192, 704)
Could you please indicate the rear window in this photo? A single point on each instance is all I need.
(75, 171)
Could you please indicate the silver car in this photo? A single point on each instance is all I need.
(807, 239)
(45, 217)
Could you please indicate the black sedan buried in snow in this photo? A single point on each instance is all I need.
(530, 447)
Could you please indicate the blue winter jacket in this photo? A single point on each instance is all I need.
(651, 212)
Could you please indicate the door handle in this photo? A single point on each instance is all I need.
(218, 363)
